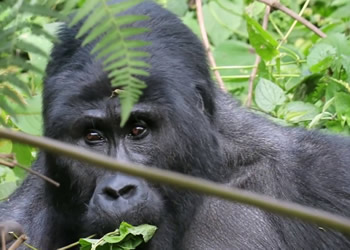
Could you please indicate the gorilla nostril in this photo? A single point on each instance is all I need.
(127, 191)
(110, 193)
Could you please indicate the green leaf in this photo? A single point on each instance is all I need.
(6, 189)
(268, 95)
(321, 57)
(87, 7)
(24, 156)
(116, 47)
(5, 146)
(15, 81)
(300, 111)
(127, 237)
(28, 118)
(264, 44)
(95, 17)
(178, 7)
(122, 6)
(342, 103)
(217, 32)
(234, 53)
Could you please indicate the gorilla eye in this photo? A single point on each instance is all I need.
(93, 136)
(138, 132)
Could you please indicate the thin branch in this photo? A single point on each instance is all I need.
(75, 243)
(257, 61)
(207, 187)
(277, 5)
(24, 243)
(251, 81)
(8, 228)
(206, 43)
(20, 240)
(252, 66)
(293, 24)
(248, 76)
(14, 163)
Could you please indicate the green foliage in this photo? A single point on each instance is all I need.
(302, 81)
(121, 57)
(268, 95)
(263, 43)
(13, 50)
(127, 237)
(25, 42)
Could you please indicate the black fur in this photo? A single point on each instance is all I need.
(193, 128)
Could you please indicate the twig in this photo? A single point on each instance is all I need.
(74, 243)
(252, 66)
(14, 163)
(20, 240)
(285, 37)
(8, 228)
(248, 76)
(179, 180)
(206, 43)
(277, 5)
(24, 243)
(257, 61)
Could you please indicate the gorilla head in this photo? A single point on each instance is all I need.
(171, 127)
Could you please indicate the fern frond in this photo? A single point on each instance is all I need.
(69, 6)
(12, 62)
(4, 106)
(116, 47)
(14, 80)
(11, 93)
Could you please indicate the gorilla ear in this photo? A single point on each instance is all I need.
(206, 97)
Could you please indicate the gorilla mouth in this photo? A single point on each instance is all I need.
(121, 198)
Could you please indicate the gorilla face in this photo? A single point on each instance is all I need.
(170, 128)
(168, 132)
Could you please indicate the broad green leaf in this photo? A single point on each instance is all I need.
(321, 57)
(5, 146)
(217, 32)
(339, 41)
(342, 103)
(6, 189)
(300, 111)
(24, 156)
(147, 231)
(341, 12)
(178, 7)
(264, 44)
(268, 95)
(127, 237)
(225, 17)
(234, 53)
(190, 21)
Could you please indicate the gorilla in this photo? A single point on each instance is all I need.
(183, 123)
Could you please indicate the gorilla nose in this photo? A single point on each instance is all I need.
(114, 193)
(119, 186)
